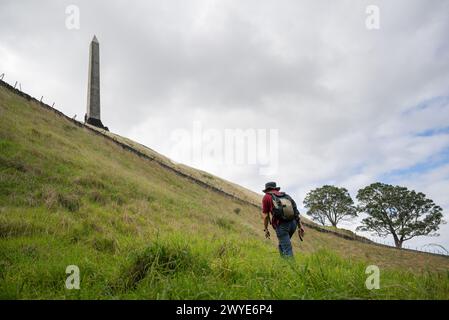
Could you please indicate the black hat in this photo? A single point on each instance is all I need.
(271, 186)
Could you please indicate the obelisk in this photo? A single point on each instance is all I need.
(93, 88)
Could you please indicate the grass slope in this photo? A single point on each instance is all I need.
(138, 230)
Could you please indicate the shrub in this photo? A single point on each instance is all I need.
(97, 197)
(18, 228)
(53, 198)
(16, 164)
(90, 182)
(69, 201)
(104, 244)
(160, 259)
(224, 223)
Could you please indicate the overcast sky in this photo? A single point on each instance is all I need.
(352, 105)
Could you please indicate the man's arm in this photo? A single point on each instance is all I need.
(300, 228)
(266, 209)
(266, 221)
(298, 220)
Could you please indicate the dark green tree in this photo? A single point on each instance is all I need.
(398, 211)
(329, 203)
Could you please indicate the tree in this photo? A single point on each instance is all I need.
(329, 203)
(398, 211)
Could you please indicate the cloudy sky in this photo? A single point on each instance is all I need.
(351, 105)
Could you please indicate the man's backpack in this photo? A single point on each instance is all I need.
(284, 207)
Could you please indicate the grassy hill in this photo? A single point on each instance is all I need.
(138, 229)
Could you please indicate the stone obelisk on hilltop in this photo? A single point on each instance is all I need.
(93, 88)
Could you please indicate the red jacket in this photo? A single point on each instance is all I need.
(267, 207)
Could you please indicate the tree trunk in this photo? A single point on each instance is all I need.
(398, 243)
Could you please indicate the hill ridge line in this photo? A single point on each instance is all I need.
(127, 147)
(123, 145)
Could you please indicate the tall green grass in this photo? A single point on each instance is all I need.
(138, 231)
(181, 266)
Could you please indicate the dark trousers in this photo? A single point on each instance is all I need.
(284, 232)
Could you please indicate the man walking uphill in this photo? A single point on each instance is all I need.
(285, 217)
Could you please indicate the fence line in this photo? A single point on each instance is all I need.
(407, 247)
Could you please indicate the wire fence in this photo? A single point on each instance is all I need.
(18, 86)
(432, 248)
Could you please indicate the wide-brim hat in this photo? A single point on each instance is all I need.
(271, 186)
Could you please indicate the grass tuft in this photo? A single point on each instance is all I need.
(224, 223)
(160, 259)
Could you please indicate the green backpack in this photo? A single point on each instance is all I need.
(284, 207)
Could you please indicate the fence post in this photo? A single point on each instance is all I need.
(1, 76)
(42, 98)
(15, 84)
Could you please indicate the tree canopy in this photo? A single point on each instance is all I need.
(329, 203)
(398, 211)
